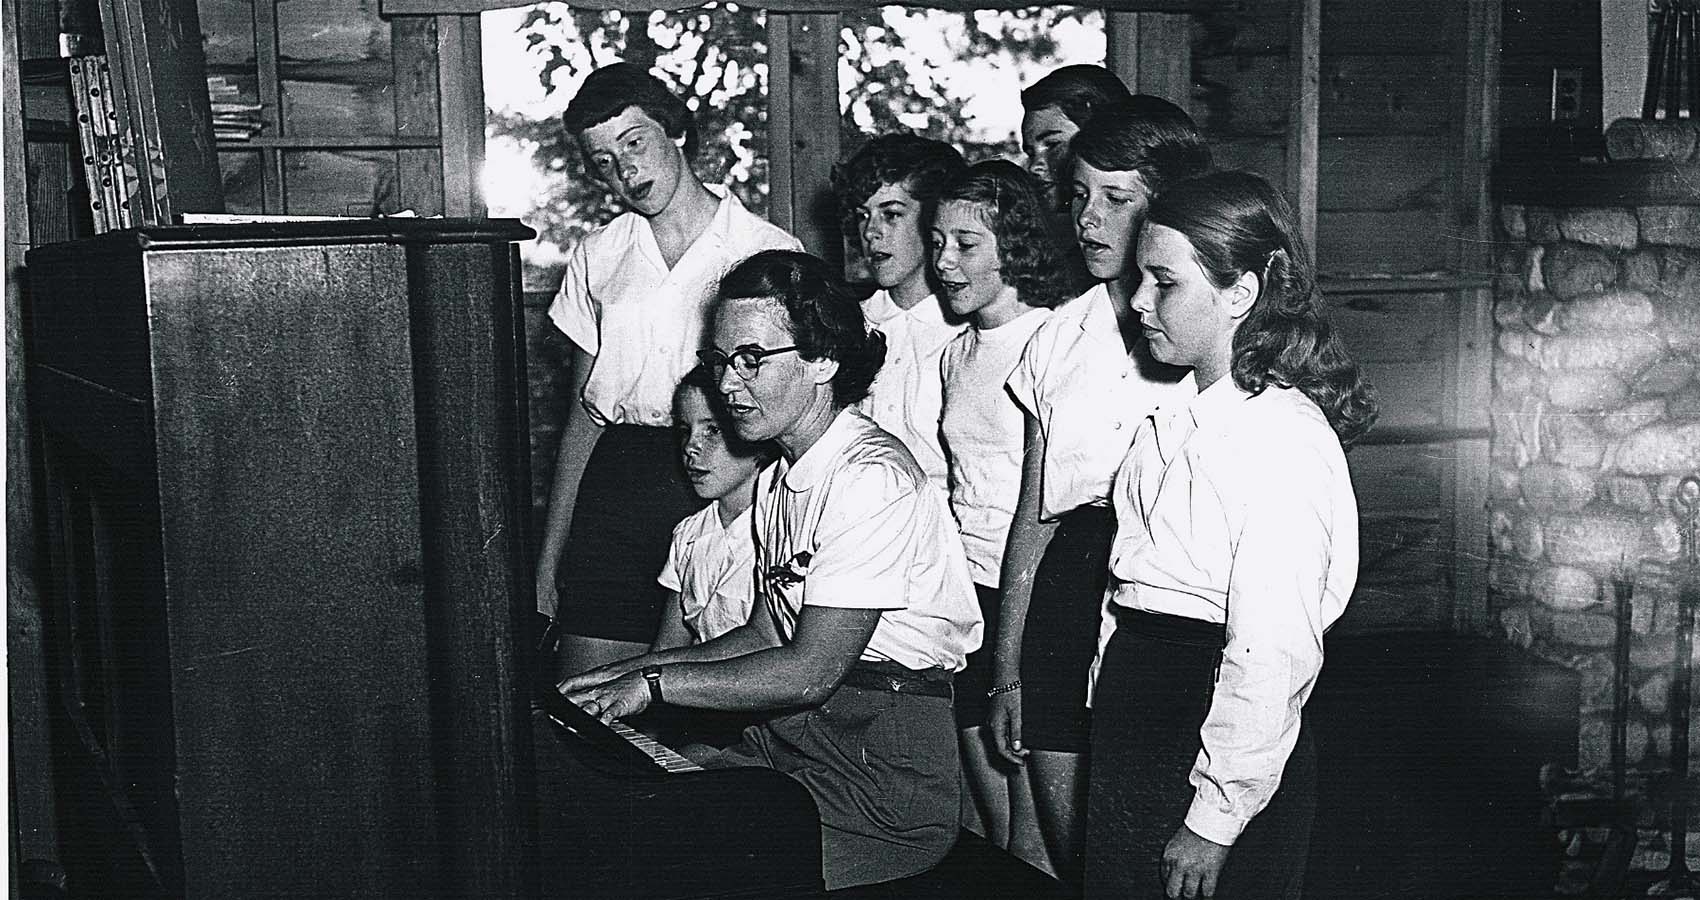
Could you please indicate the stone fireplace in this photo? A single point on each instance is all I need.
(1595, 419)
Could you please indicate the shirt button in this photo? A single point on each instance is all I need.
(1118, 426)
(1124, 373)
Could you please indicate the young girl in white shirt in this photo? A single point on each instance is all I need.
(1084, 381)
(999, 269)
(883, 189)
(1236, 548)
(710, 570)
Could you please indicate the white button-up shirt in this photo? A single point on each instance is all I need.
(906, 398)
(1239, 509)
(641, 321)
(712, 569)
(853, 523)
(984, 431)
(1077, 378)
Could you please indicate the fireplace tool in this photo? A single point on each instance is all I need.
(1611, 873)
(1677, 880)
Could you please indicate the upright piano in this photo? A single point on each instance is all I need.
(285, 481)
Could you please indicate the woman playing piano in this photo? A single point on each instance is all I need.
(865, 607)
(1236, 547)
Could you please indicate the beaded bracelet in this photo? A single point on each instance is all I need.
(1004, 688)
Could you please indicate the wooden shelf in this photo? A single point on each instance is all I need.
(1421, 434)
(336, 142)
(1412, 283)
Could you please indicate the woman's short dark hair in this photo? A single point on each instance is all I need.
(921, 165)
(1143, 134)
(826, 319)
(1014, 210)
(1237, 222)
(608, 91)
(1077, 90)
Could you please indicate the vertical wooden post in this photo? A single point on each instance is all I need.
(1479, 39)
(459, 48)
(1151, 53)
(34, 831)
(1304, 68)
(802, 126)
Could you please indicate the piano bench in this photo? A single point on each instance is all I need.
(976, 869)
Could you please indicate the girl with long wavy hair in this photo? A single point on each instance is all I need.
(1236, 549)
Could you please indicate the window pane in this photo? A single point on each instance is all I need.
(227, 31)
(955, 76)
(335, 68)
(535, 58)
(348, 183)
(244, 187)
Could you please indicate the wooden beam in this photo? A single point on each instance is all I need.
(1151, 53)
(1304, 69)
(35, 835)
(461, 92)
(802, 127)
(1479, 40)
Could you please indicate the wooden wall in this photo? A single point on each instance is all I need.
(1400, 213)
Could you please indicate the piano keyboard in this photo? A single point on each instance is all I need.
(618, 738)
(664, 756)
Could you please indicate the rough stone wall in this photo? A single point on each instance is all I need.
(1596, 418)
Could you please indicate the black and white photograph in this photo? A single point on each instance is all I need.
(839, 450)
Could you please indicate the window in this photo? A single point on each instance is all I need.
(953, 76)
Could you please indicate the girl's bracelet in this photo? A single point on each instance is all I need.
(1004, 688)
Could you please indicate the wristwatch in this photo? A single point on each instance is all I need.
(652, 674)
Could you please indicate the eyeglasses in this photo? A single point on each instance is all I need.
(746, 361)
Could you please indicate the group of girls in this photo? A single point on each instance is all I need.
(1116, 366)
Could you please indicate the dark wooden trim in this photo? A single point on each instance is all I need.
(1405, 284)
(35, 831)
(270, 87)
(474, 7)
(337, 142)
(1639, 182)
(1304, 67)
(1421, 434)
(290, 234)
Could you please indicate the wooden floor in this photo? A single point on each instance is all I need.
(1430, 749)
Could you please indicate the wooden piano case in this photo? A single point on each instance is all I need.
(287, 489)
(285, 473)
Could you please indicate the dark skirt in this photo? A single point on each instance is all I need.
(1154, 690)
(632, 494)
(976, 678)
(1061, 633)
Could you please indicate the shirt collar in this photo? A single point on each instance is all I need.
(1089, 308)
(1217, 402)
(879, 308)
(717, 234)
(819, 459)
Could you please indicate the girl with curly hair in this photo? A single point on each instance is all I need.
(1084, 381)
(998, 269)
(1236, 549)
